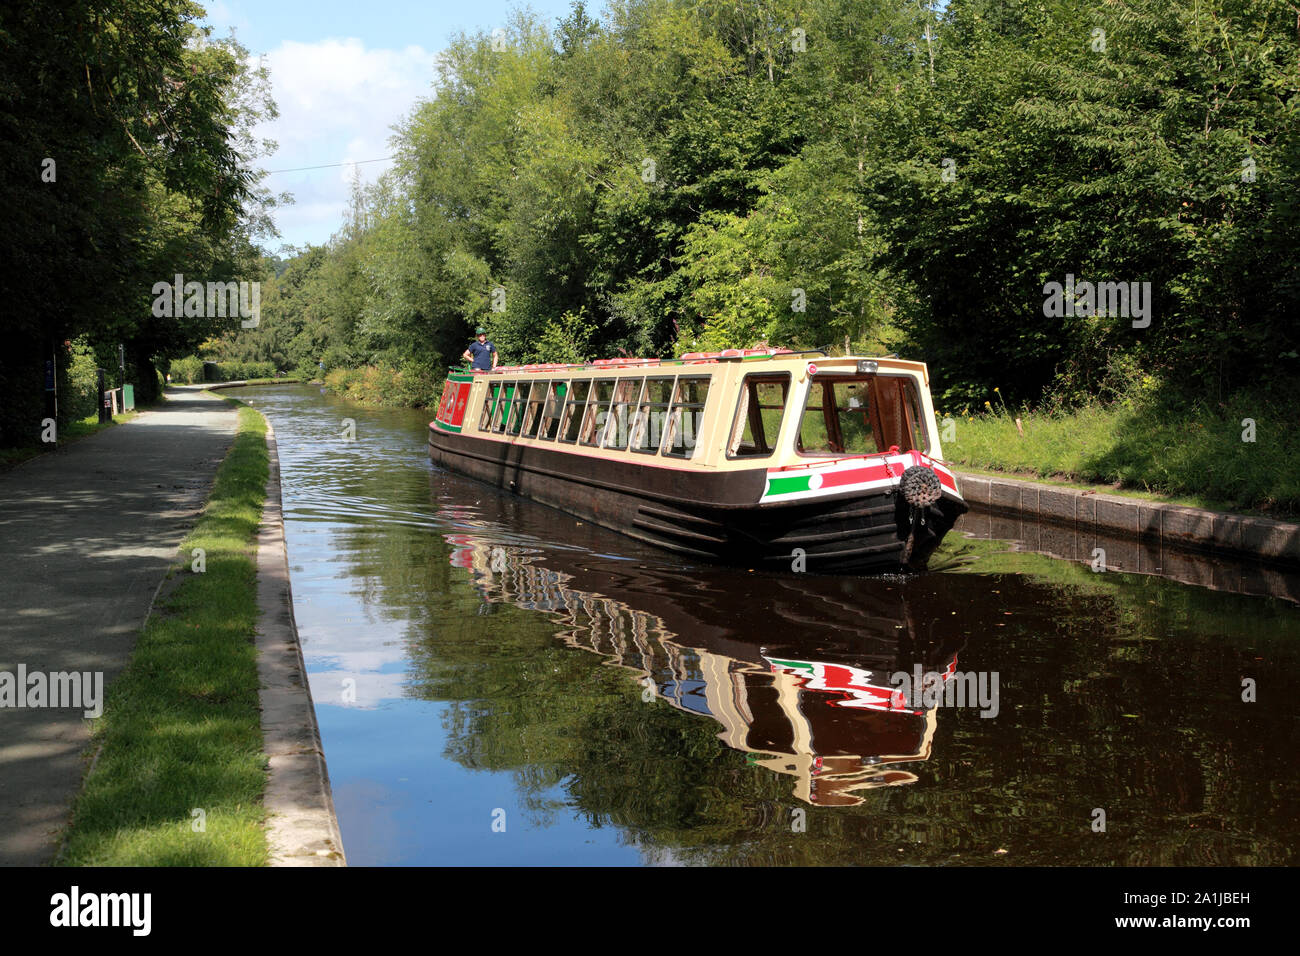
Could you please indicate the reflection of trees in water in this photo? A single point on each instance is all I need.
(1179, 785)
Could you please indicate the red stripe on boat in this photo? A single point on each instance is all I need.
(854, 476)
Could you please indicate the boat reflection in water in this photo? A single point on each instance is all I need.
(807, 693)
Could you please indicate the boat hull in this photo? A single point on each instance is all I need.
(715, 516)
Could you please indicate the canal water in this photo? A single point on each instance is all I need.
(500, 683)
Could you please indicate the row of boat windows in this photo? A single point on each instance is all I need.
(648, 415)
(842, 415)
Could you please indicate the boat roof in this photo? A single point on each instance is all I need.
(703, 358)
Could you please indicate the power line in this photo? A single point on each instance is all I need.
(356, 162)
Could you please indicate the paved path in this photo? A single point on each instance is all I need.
(86, 535)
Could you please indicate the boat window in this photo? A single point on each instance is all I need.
(759, 414)
(551, 410)
(516, 413)
(898, 403)
(533, 412)
(572, 420)
(626, 395)
(651, 414)
(685, 417)
(593, 422)
(837, 418)
(502, 411)
(861, 415)
(489, 405)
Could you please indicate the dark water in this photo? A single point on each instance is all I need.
(500, 683)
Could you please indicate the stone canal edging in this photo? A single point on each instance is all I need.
(302, 827)
(1176, 526)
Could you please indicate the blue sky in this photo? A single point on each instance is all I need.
(343, 72)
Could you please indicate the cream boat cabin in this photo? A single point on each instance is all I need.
(766, 458)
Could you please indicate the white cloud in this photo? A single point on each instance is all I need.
(338, 101)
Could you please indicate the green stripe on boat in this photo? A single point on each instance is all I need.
(786, 485)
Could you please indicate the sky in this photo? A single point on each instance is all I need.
(343, 73)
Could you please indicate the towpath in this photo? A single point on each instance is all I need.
(86, 536)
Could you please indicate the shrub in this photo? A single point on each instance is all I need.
(186, 370)
(237, 371)
(413, 385)
(82, 381)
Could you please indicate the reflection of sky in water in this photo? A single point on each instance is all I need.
(438, 812)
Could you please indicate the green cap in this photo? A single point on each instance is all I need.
(480, 331)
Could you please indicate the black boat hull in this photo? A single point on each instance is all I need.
(712, 516)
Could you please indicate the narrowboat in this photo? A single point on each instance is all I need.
(765, 458)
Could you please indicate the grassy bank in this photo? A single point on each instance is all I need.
(1198, 453)
(181, 730)
(68, 433)
(389, 386)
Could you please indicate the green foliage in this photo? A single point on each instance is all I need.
(239, 371)
(186, 371)
(681, 176)
(687, 174)
(1147, 442)
(81, 392)
(126, 153)
(1118, 161)
(193, 369)
(567, 340)
(410, 385)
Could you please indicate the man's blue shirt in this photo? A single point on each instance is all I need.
(482, 353)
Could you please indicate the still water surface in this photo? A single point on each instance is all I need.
(499, 683)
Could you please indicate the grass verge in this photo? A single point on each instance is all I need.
(69, 433)
(1239, 456)
(387, 386)
(181, 730)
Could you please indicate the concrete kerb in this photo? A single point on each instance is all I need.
(1176, 526)
(302, 827)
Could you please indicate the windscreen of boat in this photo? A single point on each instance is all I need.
(861, 415)
(759, 414)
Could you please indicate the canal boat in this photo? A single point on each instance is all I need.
(766, 458)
